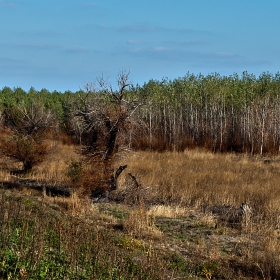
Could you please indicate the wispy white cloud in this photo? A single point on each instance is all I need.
(146, 28)
(188, 30)
(225, 54)
(161, 49)
(6, 4)
(82, 50)
(22, 67)
(90, 4)
(133, 42)
(38, 46)
(130, 28)
(157, 52)
(140, 28)
(45, 47)
(77, 49)
(186, 42)
(104, 26)
(37, 33)
(11, 61)
(197, 58)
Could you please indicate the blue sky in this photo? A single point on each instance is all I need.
(63, 44)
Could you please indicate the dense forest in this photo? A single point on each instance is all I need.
(220, 113)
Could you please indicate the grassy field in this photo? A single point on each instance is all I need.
(181, 221)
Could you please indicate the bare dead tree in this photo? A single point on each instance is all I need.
(26, 127)
(30, 119)
(101, 117)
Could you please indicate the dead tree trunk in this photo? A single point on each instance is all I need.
(104, 116)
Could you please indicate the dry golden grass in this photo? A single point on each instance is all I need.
(192, 179)
(53, 169)
(168, 211)
(179, 186)
(197, 181)
(140, 224)
(199, 178)
(5, 176)
(6, 166)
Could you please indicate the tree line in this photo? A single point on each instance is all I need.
(219, 113)
(239, 113)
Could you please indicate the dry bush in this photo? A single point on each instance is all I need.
(58, 169)
(26, 129)
(23, 148)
